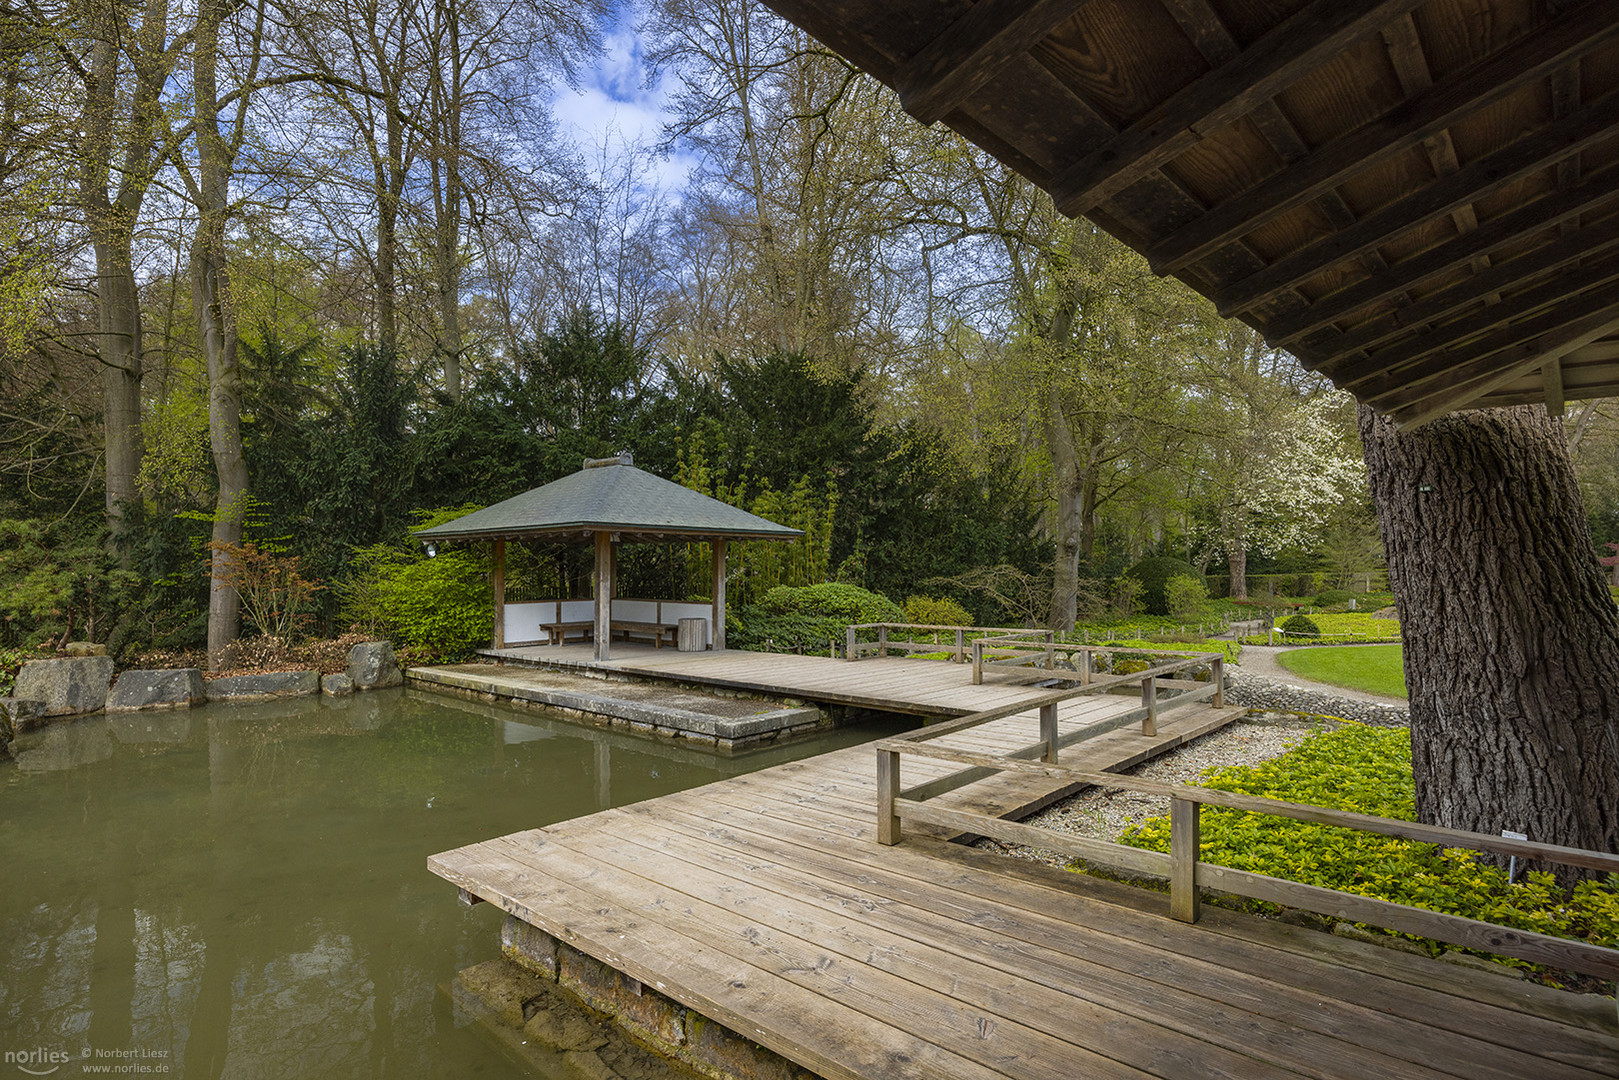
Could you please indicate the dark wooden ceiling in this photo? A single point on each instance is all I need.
(1418, 198)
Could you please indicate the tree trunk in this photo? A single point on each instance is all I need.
(1066, 486)
(119, 346)
(1511, 637)
(216, 329)
(1236, 555)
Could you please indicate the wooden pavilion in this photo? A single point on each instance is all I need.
(607, 502)
(1419, 198)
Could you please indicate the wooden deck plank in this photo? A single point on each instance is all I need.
(717, 911)
(1497, 1022)
(836, 1041)
(1177, 995)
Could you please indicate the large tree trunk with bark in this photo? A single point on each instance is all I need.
(1511, 637)
(119, 348)
(1236, 557)
(1066, 484)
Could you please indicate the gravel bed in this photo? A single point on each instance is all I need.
(1104, 815)
(1258, 692)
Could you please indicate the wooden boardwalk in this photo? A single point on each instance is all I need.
(889, 684)
(765, 903)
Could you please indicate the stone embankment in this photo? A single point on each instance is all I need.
(82, 682)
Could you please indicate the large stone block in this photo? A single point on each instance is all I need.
(66, 686)
(371, 666)
(268, 685)
(17, 715)
(163, 688)
(336, 685)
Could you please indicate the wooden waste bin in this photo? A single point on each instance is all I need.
(692, 636)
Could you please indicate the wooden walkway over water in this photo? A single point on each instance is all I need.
(888, 684)
(765, 903)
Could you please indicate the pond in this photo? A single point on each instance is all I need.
(241, 890)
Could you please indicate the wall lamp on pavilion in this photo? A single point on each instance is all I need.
(431, 550)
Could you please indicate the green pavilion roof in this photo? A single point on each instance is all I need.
(611, 495)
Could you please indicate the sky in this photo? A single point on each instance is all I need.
(613, 100)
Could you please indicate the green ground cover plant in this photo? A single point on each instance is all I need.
(1376, 669)
(1368, 770)
(1345, 627)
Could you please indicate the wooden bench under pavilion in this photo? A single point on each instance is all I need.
(608, 502)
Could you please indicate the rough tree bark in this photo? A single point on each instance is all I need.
(1511, 637)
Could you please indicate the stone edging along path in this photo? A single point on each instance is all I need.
(77, 685)
(1270, 695)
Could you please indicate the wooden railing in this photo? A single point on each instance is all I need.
(886, 640)
(1185, 871)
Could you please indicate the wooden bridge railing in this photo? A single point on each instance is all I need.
(1182, 867)
(886, 641)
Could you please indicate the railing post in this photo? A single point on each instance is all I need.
(1184, 844)
(1051, 651)
(1048, 732)
(887, 791)
(849, 650)
(978, 661)
(961, 641)
(1149, 699)
(1085, 667)
(882, 640)
(1217, 673)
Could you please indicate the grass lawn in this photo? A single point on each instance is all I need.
(1376, 669)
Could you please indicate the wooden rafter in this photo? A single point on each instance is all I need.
(1548, 258)
(1594, 192)
(1296, 47)
(973, 50)
(1386, 368)
(1507, 353)
(1406, 125)
(1545, 146)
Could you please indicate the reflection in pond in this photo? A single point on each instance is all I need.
(241, 891)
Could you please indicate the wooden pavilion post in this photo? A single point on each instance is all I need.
(717, 618)
(500, 594)
(604, 595)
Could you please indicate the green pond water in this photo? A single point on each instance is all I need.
(241, 890)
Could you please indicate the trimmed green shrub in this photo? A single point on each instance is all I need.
(936, 611)
(1333, 597)
(1154, 575)
(1368, 770)
(1299, 626)
(809, 617)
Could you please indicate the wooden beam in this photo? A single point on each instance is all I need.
(717, 616)
(1302, 43)
(1425, 114)
(1200, 23)
(1478, 379)
(1535, 151)
(973, 50)
(603, 605)
(1594, 191)
(1525, 268)
(1551, 373)
(500, 594)
(1382, 367)
(1520, 341)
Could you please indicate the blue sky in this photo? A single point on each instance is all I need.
(612, 96)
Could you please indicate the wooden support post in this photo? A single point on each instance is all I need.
(1051, 651)
(604, 596)
(717, 619)
(1184, 843)
(1085, 667)
(882, 641)
(1217, 674)
(500, 594)
(887, 791)
(1149, 701)
(1048, 732)
(961, 645)
(978, 661)
(849, 644)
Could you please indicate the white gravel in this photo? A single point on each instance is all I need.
(1105, 815)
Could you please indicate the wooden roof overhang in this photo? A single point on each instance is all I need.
(1418, 198)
